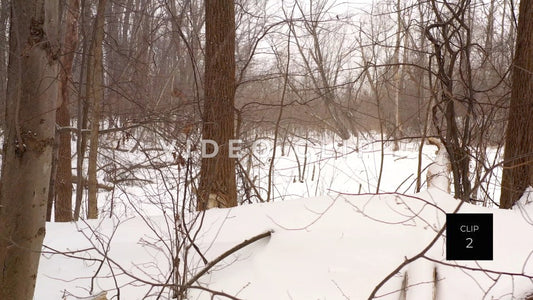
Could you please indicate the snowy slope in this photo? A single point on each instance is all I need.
(337, 247)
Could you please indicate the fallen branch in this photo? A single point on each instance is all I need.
(222, 257)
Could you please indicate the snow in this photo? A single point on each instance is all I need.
(438, 171)
(320, 248)
(527, 198)
(336, 245)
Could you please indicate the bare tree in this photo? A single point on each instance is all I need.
(518, 165)
(398, 75)
(321, 68)
(217, 175)
(95, 93)
(82, 109)
(450, 27)
(30, 116)
(63, 195)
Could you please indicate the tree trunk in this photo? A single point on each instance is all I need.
(82, 111)
(53, 175)
(397, 77)
(30, 115)
(63, 182)
(4, 48)
(63, 197)
(95, 95)
(217, 175)
(518, 155)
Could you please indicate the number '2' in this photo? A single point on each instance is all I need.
(469, 245)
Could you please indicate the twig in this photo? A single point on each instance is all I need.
(407, 261)
(223, 256)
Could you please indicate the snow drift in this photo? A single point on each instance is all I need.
(337, 247)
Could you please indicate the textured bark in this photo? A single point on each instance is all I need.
(518, 156)
(63, 195)
(4, 22)
(63, 182)
(82, 111)
(217, 175)
(53, 173)
(95, 95)
(29, 137)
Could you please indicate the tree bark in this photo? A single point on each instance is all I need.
(95, 95)
(397, 77)
(217, 186)
(82, 109)
(53, 175)
(30, 116)
(518, 155)
(4, 41)
(63, 196)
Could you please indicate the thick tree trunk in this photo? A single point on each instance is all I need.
(95, 95)
(518, 156)
(30, 117)
(217, 175)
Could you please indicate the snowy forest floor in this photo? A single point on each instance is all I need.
(326, 241)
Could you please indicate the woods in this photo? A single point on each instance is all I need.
(109, 104)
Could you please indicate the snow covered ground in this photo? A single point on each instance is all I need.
(326, 242)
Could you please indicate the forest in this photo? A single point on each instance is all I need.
(214, 149)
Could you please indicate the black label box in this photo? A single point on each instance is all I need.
(469, 236)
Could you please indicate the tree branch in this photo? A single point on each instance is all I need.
(222, 257)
